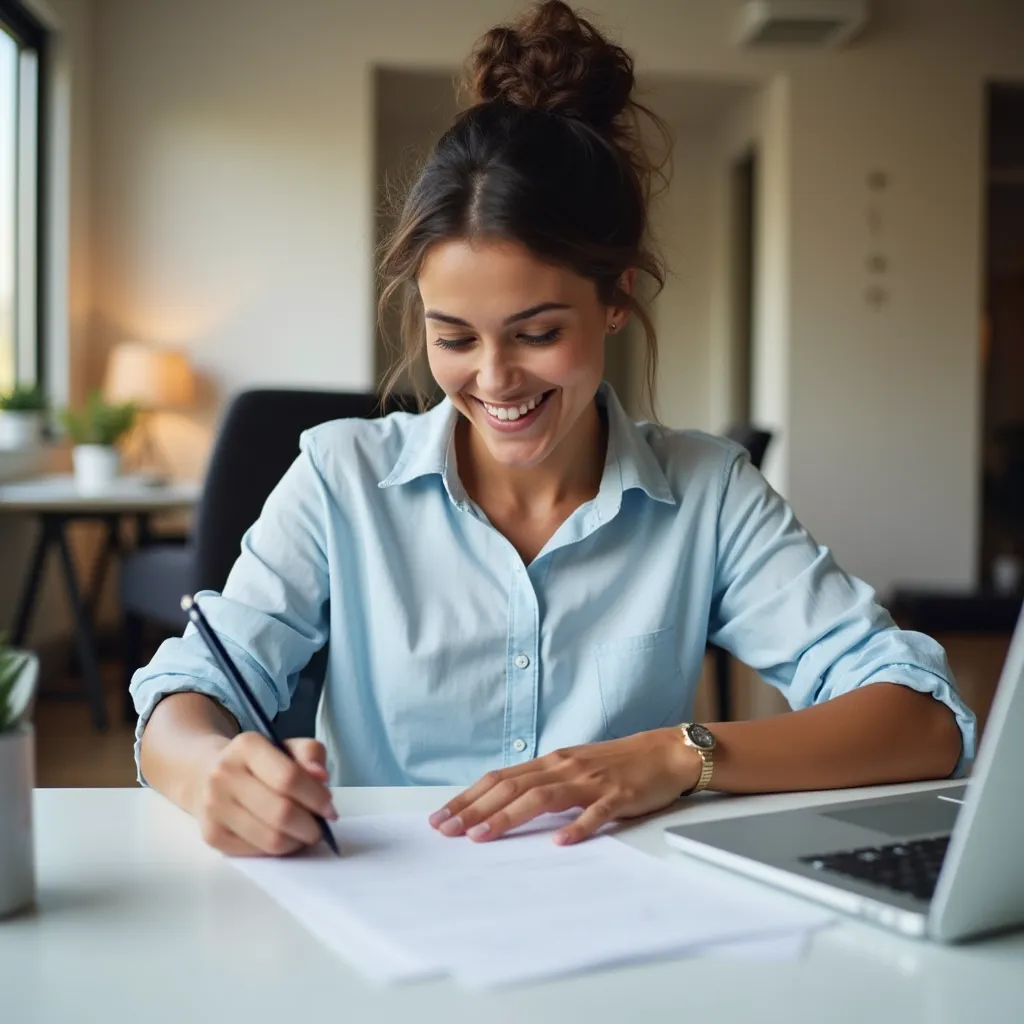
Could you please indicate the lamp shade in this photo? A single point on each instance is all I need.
(149, 377)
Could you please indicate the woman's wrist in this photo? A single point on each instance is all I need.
(684, 762)
(183, 739)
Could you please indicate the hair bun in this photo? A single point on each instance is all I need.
(556, 61)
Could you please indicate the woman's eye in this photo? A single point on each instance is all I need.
(452, 343)
(542, 339)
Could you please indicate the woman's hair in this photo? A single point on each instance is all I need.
(549, 155)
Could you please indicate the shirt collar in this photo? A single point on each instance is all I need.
(630, 451)
(430, 449)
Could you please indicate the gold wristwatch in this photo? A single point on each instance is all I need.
(701, 738)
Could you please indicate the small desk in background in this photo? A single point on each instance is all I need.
(56, 502)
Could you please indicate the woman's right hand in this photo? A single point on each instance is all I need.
(256, 801)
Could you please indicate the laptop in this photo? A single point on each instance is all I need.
(946, 864)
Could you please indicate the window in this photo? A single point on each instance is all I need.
(21, 46)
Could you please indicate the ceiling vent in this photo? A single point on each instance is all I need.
(820, 23)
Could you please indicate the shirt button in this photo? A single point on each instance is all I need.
(521, 661)
(519, 746)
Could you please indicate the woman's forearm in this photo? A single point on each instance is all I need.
(183, 737)
(879, 733)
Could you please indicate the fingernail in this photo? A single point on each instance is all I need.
(452, 827)
(439, 816)
(331, 813)
(561, 837)
(479, 831)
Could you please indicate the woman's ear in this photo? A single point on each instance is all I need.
(618, 316)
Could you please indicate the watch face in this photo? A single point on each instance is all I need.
(701, 737)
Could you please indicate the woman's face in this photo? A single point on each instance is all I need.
(515, 343)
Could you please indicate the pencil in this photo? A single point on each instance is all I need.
(191, 608)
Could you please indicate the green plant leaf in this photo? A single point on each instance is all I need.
(99, 422)
(23, 399)
(11, 664)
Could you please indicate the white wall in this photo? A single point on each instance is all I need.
(681, 313)
(233, 213)
(884, 402)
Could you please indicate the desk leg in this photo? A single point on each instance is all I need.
(27, 604)
(111, 546)
(83, 635)
(144, 534)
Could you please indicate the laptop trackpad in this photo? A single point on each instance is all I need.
(911, 817)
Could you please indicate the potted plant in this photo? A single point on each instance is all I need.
(94, 431)
(21, 417)
(18, 673)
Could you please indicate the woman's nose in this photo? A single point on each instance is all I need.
(497, 374)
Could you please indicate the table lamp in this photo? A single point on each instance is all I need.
(153, 379)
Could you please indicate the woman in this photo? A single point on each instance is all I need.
(518, 585)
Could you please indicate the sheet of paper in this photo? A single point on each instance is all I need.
(513, 910)
(362, 947)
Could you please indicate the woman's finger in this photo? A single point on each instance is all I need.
(599, 813)
(449, 817)
(258, 834)
(558, 760)
(287, 778)
(278, 813)
(494, 791)
(220, 837)
(541, 798)
(311, 754)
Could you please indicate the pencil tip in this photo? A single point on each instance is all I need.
(187, 602)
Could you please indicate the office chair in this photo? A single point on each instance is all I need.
(258, 440)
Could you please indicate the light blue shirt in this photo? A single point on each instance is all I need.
(448, 657)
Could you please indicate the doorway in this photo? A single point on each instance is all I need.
(744, 217)
(1002, 521)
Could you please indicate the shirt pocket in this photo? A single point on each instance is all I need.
(641, 683)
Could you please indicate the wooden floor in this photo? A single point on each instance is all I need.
(71, 753)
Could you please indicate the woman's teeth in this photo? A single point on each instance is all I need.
(505, 412)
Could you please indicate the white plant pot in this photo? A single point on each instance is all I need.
(19, 430)
(17, 860)
(96, 467)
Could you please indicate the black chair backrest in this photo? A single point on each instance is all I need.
(257, 442)
(752, 438)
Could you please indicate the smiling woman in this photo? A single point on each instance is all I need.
(518, 585)
(548, 155)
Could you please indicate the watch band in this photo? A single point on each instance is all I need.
(707, 760)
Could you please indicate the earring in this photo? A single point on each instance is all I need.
(613, 328)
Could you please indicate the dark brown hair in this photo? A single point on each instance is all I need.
(548, 154)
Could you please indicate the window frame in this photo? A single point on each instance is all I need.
(31, 38)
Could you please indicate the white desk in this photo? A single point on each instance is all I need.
(128, 494)
(56, 502)
(138, 921)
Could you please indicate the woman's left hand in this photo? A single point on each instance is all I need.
(615, 779)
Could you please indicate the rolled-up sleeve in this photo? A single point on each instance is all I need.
(783, 606)
(271, 616)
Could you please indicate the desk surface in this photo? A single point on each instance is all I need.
(57, 493)
(138, 920)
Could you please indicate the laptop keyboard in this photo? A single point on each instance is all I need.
(908, 867)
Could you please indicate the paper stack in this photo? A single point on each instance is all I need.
(405, 902)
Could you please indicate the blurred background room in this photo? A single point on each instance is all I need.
(192, 193)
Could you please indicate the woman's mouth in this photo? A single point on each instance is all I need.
(511, 417)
